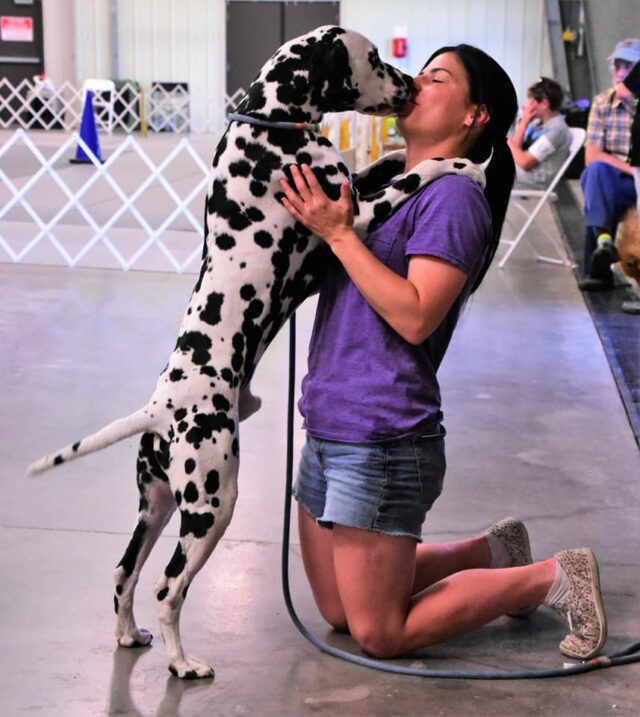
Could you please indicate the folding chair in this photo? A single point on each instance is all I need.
(104, 95)
(578, 136)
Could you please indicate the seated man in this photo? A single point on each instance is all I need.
(607, 182)
(541, 141)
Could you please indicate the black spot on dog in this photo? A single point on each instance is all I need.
(198, 524)
(227, 375)
(198, 343)
(206, 424)
(263, 239)
(176, 565)
(176, 374)
(220, 403)
(247, 292)
(189, 466)
(191, 494)
(408, 184)
(162, 594)
(257, 189)
(225, 242)
(130, 556)
(211, 313)
(255, 215)
(241, 168)
(212, 482)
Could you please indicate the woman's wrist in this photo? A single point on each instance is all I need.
(341, 238)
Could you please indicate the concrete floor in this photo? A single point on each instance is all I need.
(536, 429)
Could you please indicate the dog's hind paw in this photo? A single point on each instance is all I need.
(141, 638)
(191, 669)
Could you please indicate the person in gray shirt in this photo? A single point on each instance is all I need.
(540, 143)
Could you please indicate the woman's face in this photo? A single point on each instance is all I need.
(441, 104)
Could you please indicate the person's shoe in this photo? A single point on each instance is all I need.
(512, 533)
(631, 307)
(592, 284)
(603, 256)
(582, 608)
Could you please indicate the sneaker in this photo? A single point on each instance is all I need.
(513, 535)
(603, 256)
(582, 608)
(631, 307)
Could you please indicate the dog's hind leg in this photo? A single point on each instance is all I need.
(156, 507)
(206, 511)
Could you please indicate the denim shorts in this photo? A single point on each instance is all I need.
(385, 487)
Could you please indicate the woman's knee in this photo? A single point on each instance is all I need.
(376, 640)
(334, 615)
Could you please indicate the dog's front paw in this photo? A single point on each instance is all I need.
(140, 638)
(191, 668)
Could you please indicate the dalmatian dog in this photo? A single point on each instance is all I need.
(258, 266)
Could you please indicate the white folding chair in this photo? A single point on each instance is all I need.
(578, 136)
(103, 93)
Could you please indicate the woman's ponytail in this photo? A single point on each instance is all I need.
(489, 85)
(500, 175)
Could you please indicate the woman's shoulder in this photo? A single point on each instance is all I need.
(455, 191)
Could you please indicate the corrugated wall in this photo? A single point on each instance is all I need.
(514, 32)
(184, 40)
(93, 37)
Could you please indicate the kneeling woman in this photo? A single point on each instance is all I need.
(373, 463)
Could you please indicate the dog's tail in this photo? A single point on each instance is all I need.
(121, 428)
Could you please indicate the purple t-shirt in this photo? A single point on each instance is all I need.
(366, 384)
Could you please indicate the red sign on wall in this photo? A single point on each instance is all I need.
(399, 46)
(16, 29)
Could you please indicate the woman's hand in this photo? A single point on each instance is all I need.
(331, 221)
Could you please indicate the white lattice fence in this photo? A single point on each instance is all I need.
(164, 106)
(124, 210)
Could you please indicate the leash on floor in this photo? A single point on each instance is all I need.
(628, 655)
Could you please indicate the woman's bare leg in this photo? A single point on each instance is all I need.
(433, 562)
(375, 575)
(436, 561)
(316, 544)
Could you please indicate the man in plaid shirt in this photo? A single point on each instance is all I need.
(607, 182)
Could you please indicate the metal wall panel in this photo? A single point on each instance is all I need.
(184, 40)
(514, 32)
(93, 38)
(175, 41)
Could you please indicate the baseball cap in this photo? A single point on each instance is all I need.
(628, 50)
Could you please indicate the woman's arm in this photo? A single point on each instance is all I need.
(414, 306)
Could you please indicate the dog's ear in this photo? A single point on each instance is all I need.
(330, 76)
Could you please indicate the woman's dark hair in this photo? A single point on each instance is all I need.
(490, 85)
(547, 89)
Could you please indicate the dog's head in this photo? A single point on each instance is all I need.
(326, 70)
(628, 244)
